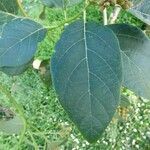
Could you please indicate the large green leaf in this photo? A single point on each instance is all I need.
(10, 6)
(11, 126)
(142, 10)
(86, 70)
(135, 46)
(18, 43)
(60, 3)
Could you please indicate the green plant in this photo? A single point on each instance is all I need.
(91, 62)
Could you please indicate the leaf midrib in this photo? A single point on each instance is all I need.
(86, 58)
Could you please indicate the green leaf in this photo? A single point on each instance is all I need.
(135, 46)
(86, 71)
(13, 71)
(10, 6)
(60, 3)
(11, 126)
(18, 43)
(142, 11)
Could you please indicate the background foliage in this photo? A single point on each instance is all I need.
(128, 130)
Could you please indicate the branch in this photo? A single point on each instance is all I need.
(21, 8)
(105, 19)
(114, 14)
(68, 20)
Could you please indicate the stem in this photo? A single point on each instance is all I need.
(65, 13)
(29, 142)
(105, 16)
(62, 23)
(68, 20)
(21, 8)
(13, 102)
(114, 14)
(33, 140)
(84, 11)
(63, 142)
(40, 133)
(45, 146)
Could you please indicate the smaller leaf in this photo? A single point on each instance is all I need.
(11, 126)
(10, 6)
(135, 51)
(18, 44)
(14, 71)
(141, 10)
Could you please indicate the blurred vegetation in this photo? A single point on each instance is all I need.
(129, 130)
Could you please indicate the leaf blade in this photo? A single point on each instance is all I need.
(142, 11)
(11, 126)
(135, 56)
(18, 42)
(9, 6)
(80, 79)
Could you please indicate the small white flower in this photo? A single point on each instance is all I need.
(140, 117)
(139, 105)
(66, 123)
(125, 131)
(137, 146)
(137, 110)
(87, 143)
(127, 138)
(105, 142)
(77, 141)
(120, 128)
(122, 141)
(123, 147)
(127, 123)
(133, 142)
(143, 104)
(141, 122)
(77, 147)
(110, 140)
(134, 130)
(144, 137)
(142, 133)
(72, 136)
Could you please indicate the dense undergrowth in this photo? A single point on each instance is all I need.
(128, 130)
